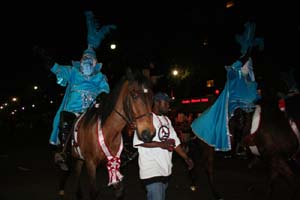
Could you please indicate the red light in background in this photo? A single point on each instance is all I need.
(195, 100)
(204, 99)
(217, 91)
(185, 101)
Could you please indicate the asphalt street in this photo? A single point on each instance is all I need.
(27, 172)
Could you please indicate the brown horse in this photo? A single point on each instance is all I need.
(272, 141)
(98, 131)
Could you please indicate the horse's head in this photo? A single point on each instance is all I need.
(137, 104)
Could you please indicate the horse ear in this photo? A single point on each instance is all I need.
(129, 73)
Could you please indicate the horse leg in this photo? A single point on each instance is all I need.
(74, 187)
(208, 161)
(119, 190)
(193, 153)
(63, 177)
(280, 168)
(91, 171)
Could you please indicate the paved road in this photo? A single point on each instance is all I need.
(27, 173)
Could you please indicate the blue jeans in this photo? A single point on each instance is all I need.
(156, 191)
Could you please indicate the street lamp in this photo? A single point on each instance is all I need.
(113, 46)
(175, 72)
(14, 99)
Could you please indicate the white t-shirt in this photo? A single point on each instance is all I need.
(156, 161)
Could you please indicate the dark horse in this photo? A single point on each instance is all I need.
(97, 132)
(271, 140)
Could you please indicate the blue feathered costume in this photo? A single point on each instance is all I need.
(83, 80)
(240, 91)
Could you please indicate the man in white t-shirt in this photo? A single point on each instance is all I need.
(155, 158)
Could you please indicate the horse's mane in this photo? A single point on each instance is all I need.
(110, 100)
(273, 119)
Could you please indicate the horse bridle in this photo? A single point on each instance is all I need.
(130, 120)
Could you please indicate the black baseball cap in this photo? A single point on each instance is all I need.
(161, 96)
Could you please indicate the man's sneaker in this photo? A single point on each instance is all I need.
(60, 160)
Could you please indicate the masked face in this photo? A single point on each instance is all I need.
(87, 65)
(245, 70)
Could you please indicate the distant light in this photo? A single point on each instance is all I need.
(204, 99)
(185, 101)
(5, 104)
(113, 46)
(229, 4)
(35, 87)
(217, 91)
(14, 99)
(209, 83)
(1, 107)
(195, 100)
(33, 105)
(12, 113)
(175, 72)
(23, 108)
(51, 102)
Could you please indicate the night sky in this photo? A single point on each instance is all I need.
(168, 34)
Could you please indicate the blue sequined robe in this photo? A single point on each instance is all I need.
(80, 92)
(239, 92)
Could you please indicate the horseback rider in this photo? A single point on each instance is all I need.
(84, 82)
(242, 97)
(240, 93)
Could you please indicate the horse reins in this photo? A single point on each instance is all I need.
(127, 110)
(135, 118)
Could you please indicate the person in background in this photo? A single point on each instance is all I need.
(155, 158)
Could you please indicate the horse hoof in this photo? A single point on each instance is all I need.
(119, 190)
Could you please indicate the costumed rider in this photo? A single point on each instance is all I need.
(240, 93)
(84, 83)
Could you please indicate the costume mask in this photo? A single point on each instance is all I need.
(87, 66)
(245, 70)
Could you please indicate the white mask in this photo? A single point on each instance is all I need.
(87, 66)
(245, 70)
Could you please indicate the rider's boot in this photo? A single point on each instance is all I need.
(241, 151)
(60, 157)
(65, 126)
